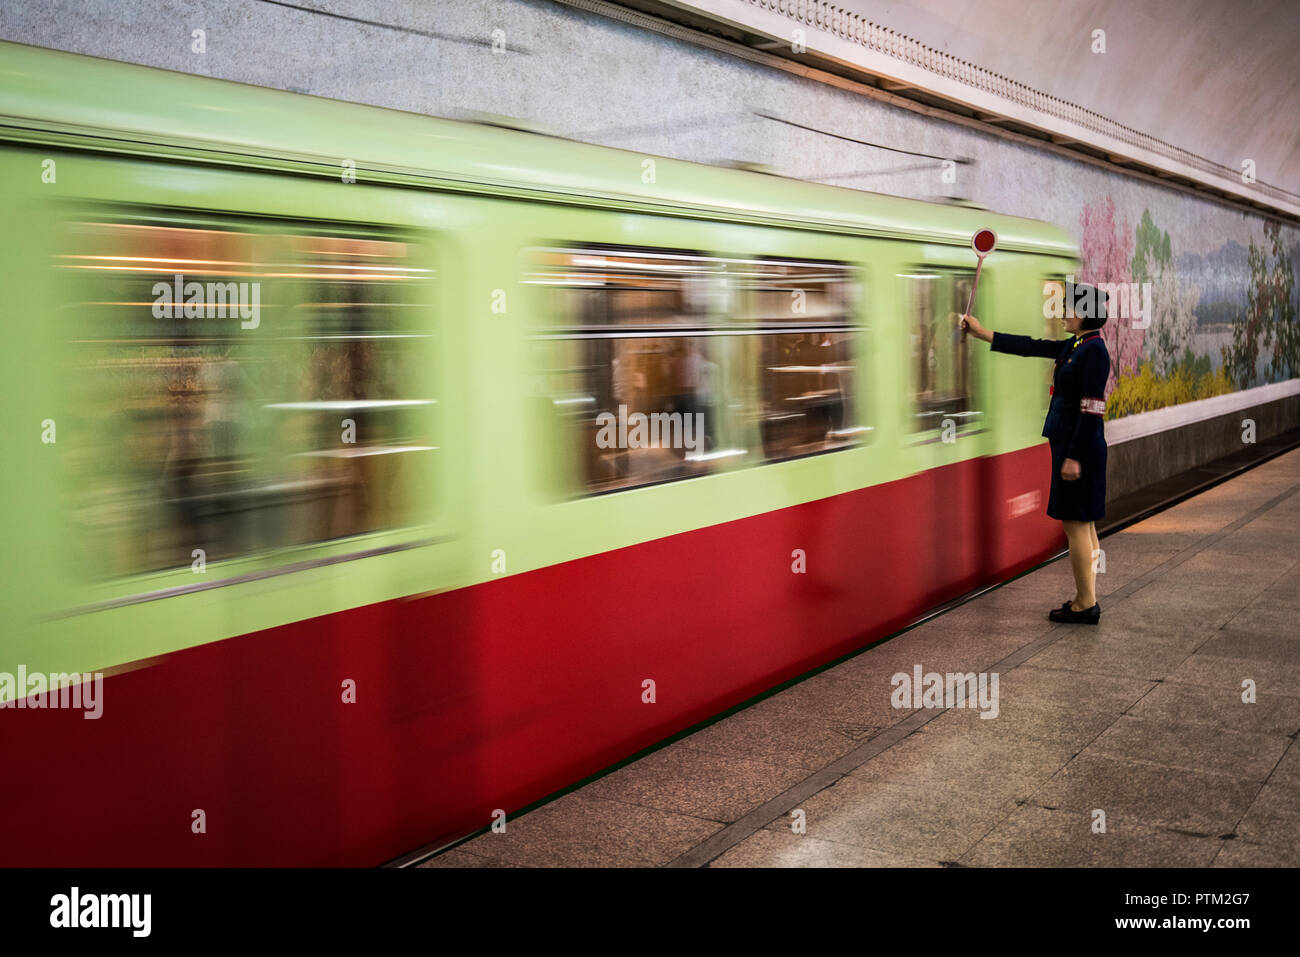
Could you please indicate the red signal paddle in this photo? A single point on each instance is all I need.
(982, 242)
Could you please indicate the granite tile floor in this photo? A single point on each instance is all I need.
(1166, 736)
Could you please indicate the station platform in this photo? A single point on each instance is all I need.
(1132, 743)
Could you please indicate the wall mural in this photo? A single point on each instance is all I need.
(1199, 322)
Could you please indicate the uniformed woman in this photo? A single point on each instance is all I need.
(1074, 432)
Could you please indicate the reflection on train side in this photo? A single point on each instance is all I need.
(759, 353)
(200, 431)
(943, 376)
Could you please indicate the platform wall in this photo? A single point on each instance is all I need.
(601, 80)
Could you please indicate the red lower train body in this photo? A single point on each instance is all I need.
(494, 696)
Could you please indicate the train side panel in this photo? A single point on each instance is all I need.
(342, 701)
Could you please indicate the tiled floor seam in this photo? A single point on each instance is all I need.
(1024, 655)
(1128, 710)
(1142, 821)
(1286, 571)
(1030, 799)
(718, 844)
(1254, 800)
(731, 835)
(1193, 550)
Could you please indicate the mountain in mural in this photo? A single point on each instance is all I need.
(1223, 276)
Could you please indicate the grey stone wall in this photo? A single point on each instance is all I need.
(1140, 462)
(585, 76)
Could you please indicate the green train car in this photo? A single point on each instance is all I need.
(368, 474)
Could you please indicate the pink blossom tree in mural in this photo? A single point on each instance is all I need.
(1107, 258)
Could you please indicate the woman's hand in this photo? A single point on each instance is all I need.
(1071, 470)
(972, 325)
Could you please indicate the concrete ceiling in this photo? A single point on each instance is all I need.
(1220, 78)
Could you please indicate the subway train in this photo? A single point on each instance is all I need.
(371, 476)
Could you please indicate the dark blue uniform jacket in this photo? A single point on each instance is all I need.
(1078, 390)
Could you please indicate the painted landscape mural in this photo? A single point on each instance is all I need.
(1219, 306)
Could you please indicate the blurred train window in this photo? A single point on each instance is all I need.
(943, 379)
(242, 388)
(631, 369)
(800, 348)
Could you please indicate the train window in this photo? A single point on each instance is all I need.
(631, 369)
(242, 389)
(943, 379)
(800, 348)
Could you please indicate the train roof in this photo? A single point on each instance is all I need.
(65, 99)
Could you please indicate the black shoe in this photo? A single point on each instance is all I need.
(1068, 616)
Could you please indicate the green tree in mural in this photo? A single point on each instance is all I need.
(1286, 327)
(1172, 303)
(1151, 249)
(1270, 318)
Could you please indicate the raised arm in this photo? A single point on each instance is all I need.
(1012, 345)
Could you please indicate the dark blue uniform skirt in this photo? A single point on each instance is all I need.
(1084, 499)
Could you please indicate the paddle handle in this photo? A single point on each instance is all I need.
(973, 286)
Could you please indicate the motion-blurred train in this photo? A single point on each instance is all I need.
(396, 471)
